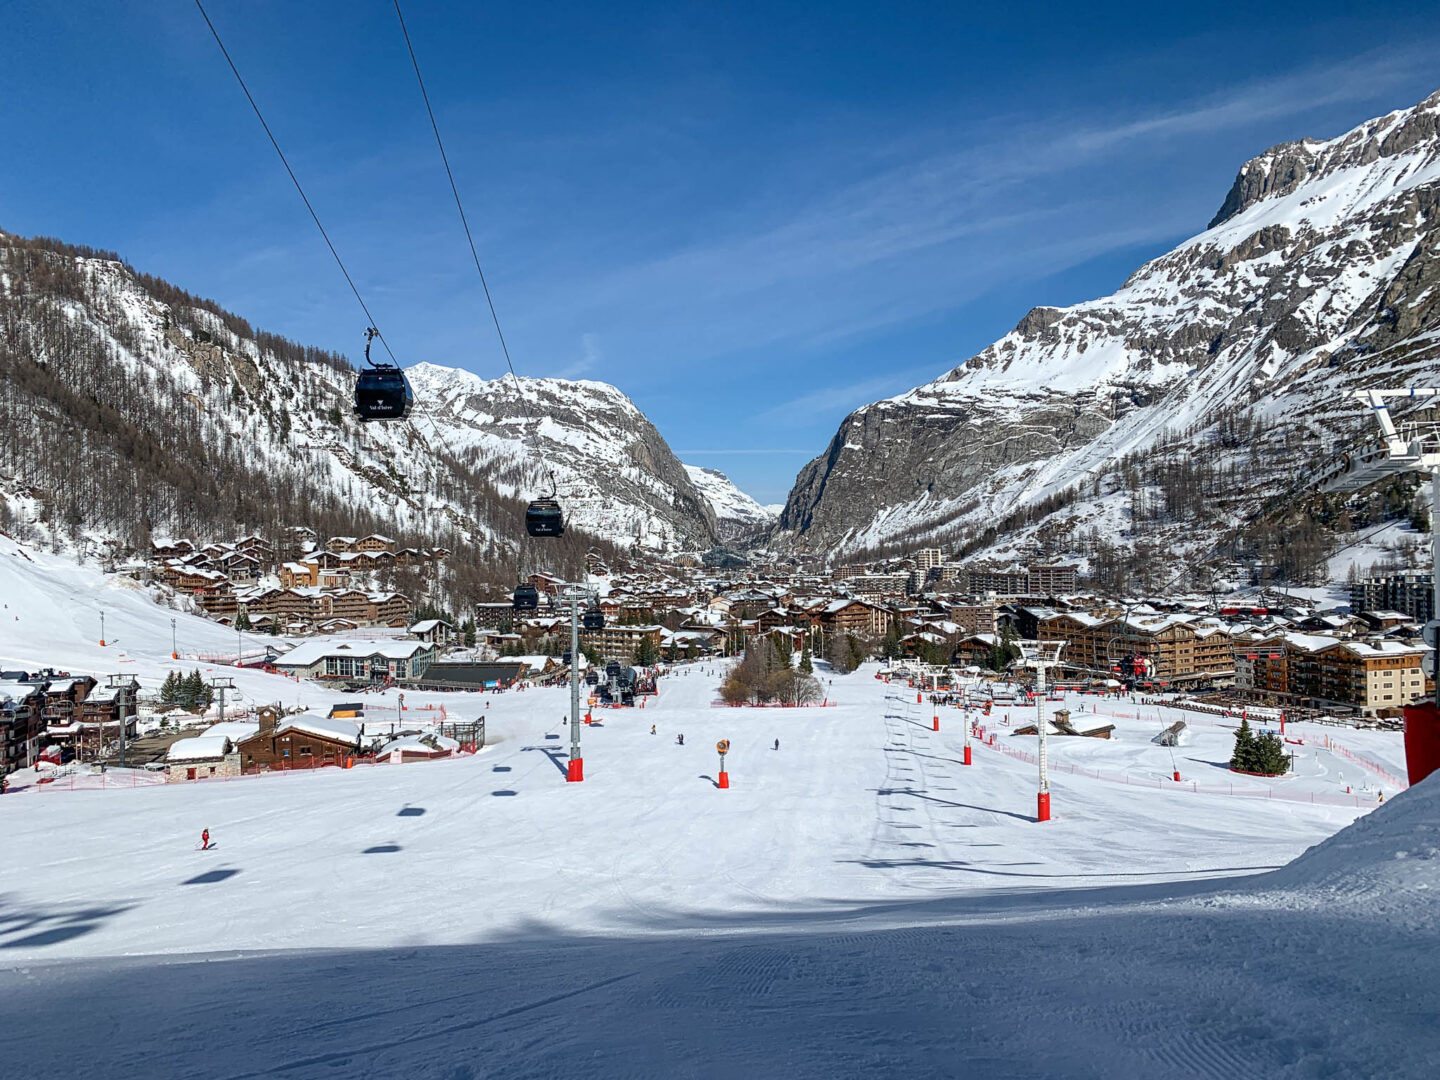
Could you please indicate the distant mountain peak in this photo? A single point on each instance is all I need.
(736, 514)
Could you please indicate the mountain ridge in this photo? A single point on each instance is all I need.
(129, 406)
(1323, 257)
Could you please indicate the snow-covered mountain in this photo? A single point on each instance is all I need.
(614, 473)
(737, 515)
(1210, 385)
(130, 406)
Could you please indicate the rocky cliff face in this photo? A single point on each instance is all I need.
(1319, 274)
(614, 473)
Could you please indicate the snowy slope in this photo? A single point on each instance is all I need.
(736, 514)
(1235, 350)
(857, 903)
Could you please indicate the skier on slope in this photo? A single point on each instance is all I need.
(205, 840)
(652, 729)
(777, 744)
(680, 739)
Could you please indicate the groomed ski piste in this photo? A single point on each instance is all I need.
(857, 903)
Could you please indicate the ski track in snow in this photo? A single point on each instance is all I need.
(859, 903)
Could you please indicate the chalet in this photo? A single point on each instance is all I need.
(410, 557)
(188, 578)
(351, 604)
(375, 543)
(859, 617)
(359, 661)
(170, 549)
(436, 632)
(102, 706)
(975, 650)
(547, 583)
(339, 544)
(21, 705)
(335, 626)
(389, 609)
(303, 741)
(621, 642)
(305, 572)
(1372, 676)
(217, 598)
(493, 616)
(257, 547)
(201, 758)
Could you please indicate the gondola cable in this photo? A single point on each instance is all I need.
(295, 180)
(544, 516)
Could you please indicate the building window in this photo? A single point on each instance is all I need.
(304, 751)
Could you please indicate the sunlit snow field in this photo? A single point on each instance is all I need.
(858, 902)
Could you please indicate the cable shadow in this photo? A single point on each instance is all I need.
(951, 802)
(29, 928)
(557, 757)
(210, 877)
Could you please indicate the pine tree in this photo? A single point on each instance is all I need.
(646, 653)
(785, 652)
(170, 688)
(1243, 759)
(857, 651)
(242, 620)
(1269, 755)
(806, 667)
(891, 643)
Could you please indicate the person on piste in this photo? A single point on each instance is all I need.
(205, 840)
(652, 729)
(680, 739)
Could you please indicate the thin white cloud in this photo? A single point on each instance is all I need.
(938, 227)
(591, 357)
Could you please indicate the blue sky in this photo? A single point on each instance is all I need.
(750, 217)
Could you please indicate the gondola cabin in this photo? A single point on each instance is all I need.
(593, 619)
(544, 517)
(527, 598)
(383, 393)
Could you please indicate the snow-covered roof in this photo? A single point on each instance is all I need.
(198, 747)
(1384, 648)
(312, 652)
(234, 730)
(424, 626)
(325, 727)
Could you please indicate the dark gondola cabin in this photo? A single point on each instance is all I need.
(527, 598)
(383, 394)
(543, 517)
(593, 619)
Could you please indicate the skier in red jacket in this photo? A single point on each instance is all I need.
(205, 840)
